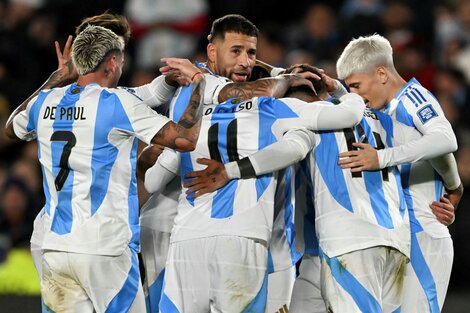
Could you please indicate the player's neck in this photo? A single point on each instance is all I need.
(211, 65)
(96, 77)
(396, 83)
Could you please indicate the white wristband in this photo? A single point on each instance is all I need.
(232, 169)
(340, 90)
(276, 71)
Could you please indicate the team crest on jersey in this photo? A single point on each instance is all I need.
(426, 113)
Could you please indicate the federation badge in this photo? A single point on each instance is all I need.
(426, 113)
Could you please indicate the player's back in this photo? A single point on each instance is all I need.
(229, 132)
(87, 150)
(357, 210)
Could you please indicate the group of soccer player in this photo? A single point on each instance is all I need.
(243, 179)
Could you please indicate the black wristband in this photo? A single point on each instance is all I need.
(246, 168)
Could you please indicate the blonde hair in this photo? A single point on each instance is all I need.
(364, 54)
(92, 46)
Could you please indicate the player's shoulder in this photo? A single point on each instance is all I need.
(417, 98)
(126, 95)
(416, 95)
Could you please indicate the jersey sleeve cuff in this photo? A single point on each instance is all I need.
(233, 171)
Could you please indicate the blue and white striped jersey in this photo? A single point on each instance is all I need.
(416, 107)
(355, 211)
(282, 252)
(87, 145)
(305, 232)
(231, 131)
(159, 211)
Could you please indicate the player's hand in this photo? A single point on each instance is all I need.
(443, 210)
(330, 83)
(301, 68)
(147, 158)
(213, 177)
(455, 195)
(66, 72)
(364, 159)
(179, 70)
(301, 79)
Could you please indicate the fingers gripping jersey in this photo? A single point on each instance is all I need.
(231, 131)
(357, 210)
(87, 149)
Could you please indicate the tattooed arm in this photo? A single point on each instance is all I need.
(271, 87)
(182, 136)
(64, 74)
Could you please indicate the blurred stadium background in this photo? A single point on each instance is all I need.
(431, 41)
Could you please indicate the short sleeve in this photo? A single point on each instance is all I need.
(135, 117)
(25, 123)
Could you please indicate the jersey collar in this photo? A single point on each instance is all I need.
(396, 99)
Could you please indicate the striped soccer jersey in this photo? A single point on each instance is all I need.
(87, 145)
(159, 211)
(282, 252)
(418, 108)
(231, 131)
(355, 211)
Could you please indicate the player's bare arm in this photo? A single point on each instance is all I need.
(271, 87)
(182, 136)
(454, 195)
(213, 177)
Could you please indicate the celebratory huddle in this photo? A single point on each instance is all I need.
(254, 170)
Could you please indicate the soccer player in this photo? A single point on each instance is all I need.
(218, 249)
(366, 65)
(154, 94)
(231, 56)
(87, 134)
(361, 220)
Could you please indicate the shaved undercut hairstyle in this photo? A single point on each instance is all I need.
(232, 23)
(114, 22)
(92, 46)
(363, 55)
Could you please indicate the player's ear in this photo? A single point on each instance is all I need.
(382, 74)
(111, 64)
(211, 52)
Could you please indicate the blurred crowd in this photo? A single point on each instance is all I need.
(431, 42)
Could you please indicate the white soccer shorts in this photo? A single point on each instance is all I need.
(84, 283)
(215, 274)
(154, 251)
(306, 297)
(427, 275)
(280, 286)
(368, 280)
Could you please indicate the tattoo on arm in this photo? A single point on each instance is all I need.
(186, 132)
(271, 87)
(193, 112)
